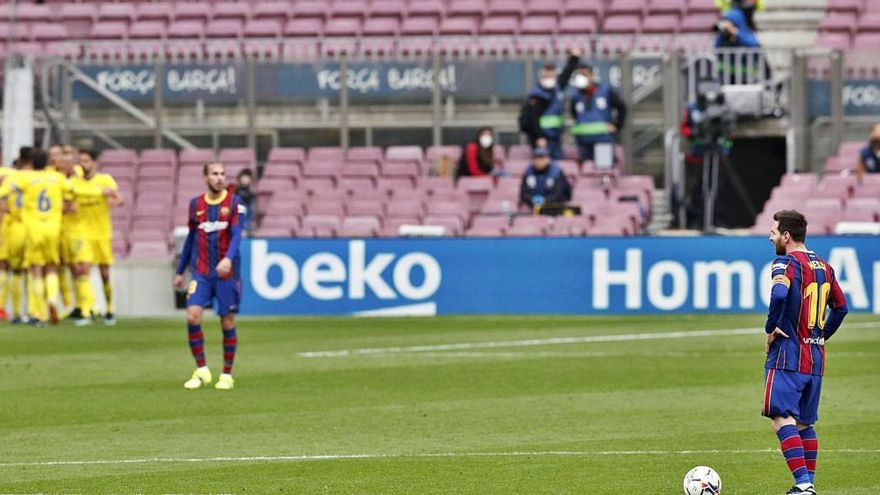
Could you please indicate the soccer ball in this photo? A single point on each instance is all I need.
(702, 480)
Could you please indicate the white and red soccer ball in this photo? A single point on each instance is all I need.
(702, 480)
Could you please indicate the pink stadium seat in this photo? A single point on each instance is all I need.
(407, 208)
(572, 226)
(621, 24)
(660, 24)
(582, 7)
(698, 23)
(838, 22)
(578, 24)
(263, 28)
(232, 10)
(322, 169)
(77, 18)
(674, 7)
(500, 25)
(365, 207)
(287, 221)
(363, 170)
(238, 157)
(148, 250)
(390, 185)
(343, 27)
(154, 11)
(458, 26)
(278, 10)
(484, 232)
(192, 11)
(419, 26)
(840, 41)
(269, 232)
(396, 9)
(412, 154)
(319, 221)
(349, 8)
(224, 28)
(367, 226)
(196, 158)
(326, 153)
(703, 7)
(381, 26)
(514, 8)
(626, 7)
(364, 154)
(311, 8)
(186, 28)
(547, 7)
(499, 222)
(453, 225)
(448, 208)
(147, 30)
(49, 32)
(304, 27)
(361, 187)
(287, 155)
(538, 25)
(111, 30)
(29, 12)
(392, 225)
(118, 157)
(119, 12)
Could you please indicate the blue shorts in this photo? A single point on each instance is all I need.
(792, 394)
(204, 290)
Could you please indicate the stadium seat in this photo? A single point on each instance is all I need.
(154, 11)
(193, 11)
(263, 28)
(395, 9)
(286, 155)
(578, 25)
(196, 157)
(360, 227)
(500, 25)
(185, 29)
(78, 18)
(573, 8)
(452, 225)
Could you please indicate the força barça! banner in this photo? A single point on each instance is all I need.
(534, 276)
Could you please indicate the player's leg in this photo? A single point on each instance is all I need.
(4, 287)
(16, 263)
(809, 415)
(53, 287)
(82, 257)
(37, 294)
(104, 258)
(782, 393)
(16, 286)
(199, 296)
(66, 272)
(228, 295)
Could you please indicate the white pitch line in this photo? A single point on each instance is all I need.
(548, 341)
(334, 457)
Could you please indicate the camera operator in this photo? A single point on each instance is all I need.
(708, 125)
(737, 29)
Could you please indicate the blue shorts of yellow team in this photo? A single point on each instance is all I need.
(42, 245)
(792, 394)
(205, 290)
(12, 242)
(92, 251)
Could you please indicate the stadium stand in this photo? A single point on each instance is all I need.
(366, 192)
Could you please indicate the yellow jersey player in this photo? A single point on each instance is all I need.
(65, 158)
(44, 193)
(92, 240)
(12, 233)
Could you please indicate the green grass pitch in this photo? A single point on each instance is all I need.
(442, 405)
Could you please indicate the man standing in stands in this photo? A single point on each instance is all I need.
(543, 182)
(541, 117)
(211, 253)
(598, 111)
(869, 157)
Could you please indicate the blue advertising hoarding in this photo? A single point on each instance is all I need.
(860, 97)
(533, 276)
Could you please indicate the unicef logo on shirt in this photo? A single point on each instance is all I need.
(601, 103)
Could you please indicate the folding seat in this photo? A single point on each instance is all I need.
(404, 169)
(275, 220)
(592, 8)
(262, 28)
(325, 207)
(364, 207)
(312, 222)
(419, 26)
(484, 232)
(547, 7)
(500, 26)
(304, 27)
(452, 225)
(77, 18)
(857, 215)
(850, 148)
(381, 26)
(276, 10)
(185, 29)
(609, 226)
(108, 31)
(434, 154)
(196, 157)
(343, 27)
(326, 153)
(456, 209)
(577, 25)
(224, 28)
(29, 12)
(500, 222)
(621, 24)
(116, 12)
(407, 208)
(122, 157)
(839, 22)
(664, 23)
(310, 8)
(154, 11)
(270, 232)
(364, 154)
(392, 225)
(458, 26)
(703, 7)
(839, 191)
(698, 23)
(282, 170)
(392, 185)
(474, 9)
(322, 169)
(432, 184)
(193, 11)
(147, 30)
(626, 7)
(349, 9)
(239, 11)
(868, 22)
(44, 33)
(666, 7)
(387, 9)
(283, 205)
(839, 40)
(525, 231)
(517, 167)
(495, 205)
(538, 25)
(286, 155)
(360, 227)
(233, 157)
(575, 226)
(368, 170)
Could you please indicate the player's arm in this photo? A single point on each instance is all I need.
(186, 254)
(5, 191)
(224, 268)
(781, 283)
(111, 192)
(837, 302)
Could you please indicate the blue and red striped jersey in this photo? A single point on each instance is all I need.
(214, 233)
(811, 289)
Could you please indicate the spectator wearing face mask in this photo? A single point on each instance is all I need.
(597, 109)
(737, 28)
(543, 182)
(244, 190)
(478, 158)
(869, 157)
(541, 117)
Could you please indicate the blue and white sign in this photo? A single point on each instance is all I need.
(860, 97)
(534, 276)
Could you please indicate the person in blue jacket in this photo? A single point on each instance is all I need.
(598, 111)
(544, 183)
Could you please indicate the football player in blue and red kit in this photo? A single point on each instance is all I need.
(798, 326)
(211, 253)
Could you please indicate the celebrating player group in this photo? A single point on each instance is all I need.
(56, 226)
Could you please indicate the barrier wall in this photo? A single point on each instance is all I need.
(534, 276)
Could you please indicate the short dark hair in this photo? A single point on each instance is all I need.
(26, 152)
(548, 67)
(793, 222)
(40, 159)
(246, 172)
(91, 153)
(208, 165)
